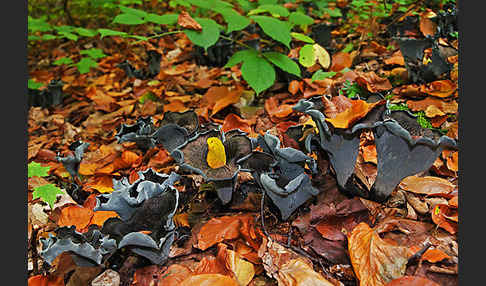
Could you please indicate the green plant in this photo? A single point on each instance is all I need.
(421, 118)
(351, 90)
(47, 192)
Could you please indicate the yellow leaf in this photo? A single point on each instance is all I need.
(216, 157)
(322, 56)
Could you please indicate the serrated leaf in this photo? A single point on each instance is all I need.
(283, 62)
(133, 11)
(94, 53)
(167, 19)
(276, 29)
(35, 169)
(108, 32)
(322, 56)
(299, 18)
(85, 32)
(275, 10)
(307, 58)
(208, 36)
(31, 84)
(85, 64)
(302, 37)
(236, 22)
(258, 73)
(239, 56)
(320, 75)
(63, 61)
(47, 193)
(128, 19)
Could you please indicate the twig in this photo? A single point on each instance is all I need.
(158, 36)
(235, 41)
(419, 253)
(33, 248)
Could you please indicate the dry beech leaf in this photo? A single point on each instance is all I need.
(395, 59)
(412, 281)
(209, 280)
(233, 121)
(297, 272)
(231, 98)
(373, 82)
(210, 265)
(369, 153)
(99, 217)
(78, 216)
(439, 88)
(185, 20)
(427, 103)
(294, 87)
(426, 185)
(427, 26)
(359, 108)
(219, 229)
(453, 161)
(441, 216)
(435, 255)
(340, 61)
(175, 106)
(374, 260)
(274, 108)
(173, 276)
(41, 280)
(242, 270)
(101, 183)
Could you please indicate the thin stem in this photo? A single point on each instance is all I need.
(159, 36)
(235, 41)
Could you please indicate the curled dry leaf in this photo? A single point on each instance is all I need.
(426, 185)
(372, 82)
(209, 280)
(445, 217)
(375, 261)
(233, 121)
(242, 270)
(82, 217)
(427, 26)
(435, 255)
(395, 59)
(359, 108)
(297, 272)
(429, 102)
(275, 109)
(294, 87)
(439, 88)
(322, 56)
(412, 281)
(185, 20)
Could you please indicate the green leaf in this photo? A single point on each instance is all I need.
(86, 32)
(147, 96)
(276, 29)
(235, 21)
(128, 19)
(167, 19)
(283, 62)
(140, 38)
(31, 84)
(264, 2)
(47, 37)
(94, 53)
(320, 75)
(258, 73)
(33, 38)
(85, 64)
(63, 61)
(302, 37)
(38, 25)
(133, 11)
(307, 58)
(299, 18)
(69, 35)
(210, 4)
(348, 48)
(208, 36)
(47, 193)
(108, 32)
(35, 169)
(335, 13)
(275, 10)
(239, 56)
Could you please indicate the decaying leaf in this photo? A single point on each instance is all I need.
(297, 272)
(426, 185)
(375, 261)
(359, 109)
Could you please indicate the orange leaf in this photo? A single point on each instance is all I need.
(426, 185)
(435, 255)
(233, 121)
(185, 20)
(213, 94)
(101, 183)
(395, 59)
(439, 88)
(87, 169)
(369, 153)
(274, 108)
(373, 82)
(340, 61)
(359, 108)
(453, 161)
(175, 106)
(99, 217)
(209, 280)
(425, 104)
(130, 157)
(294, 87)
(242, 270)
(78, 216)
(181, 220)
(210, 265)
(41, 280)
(329, 231)
(412, 281)
(375, 261)
(231, 98)
(454, 202)
(439, 217)
(427, 26)
(159, 159)
(219, 229)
